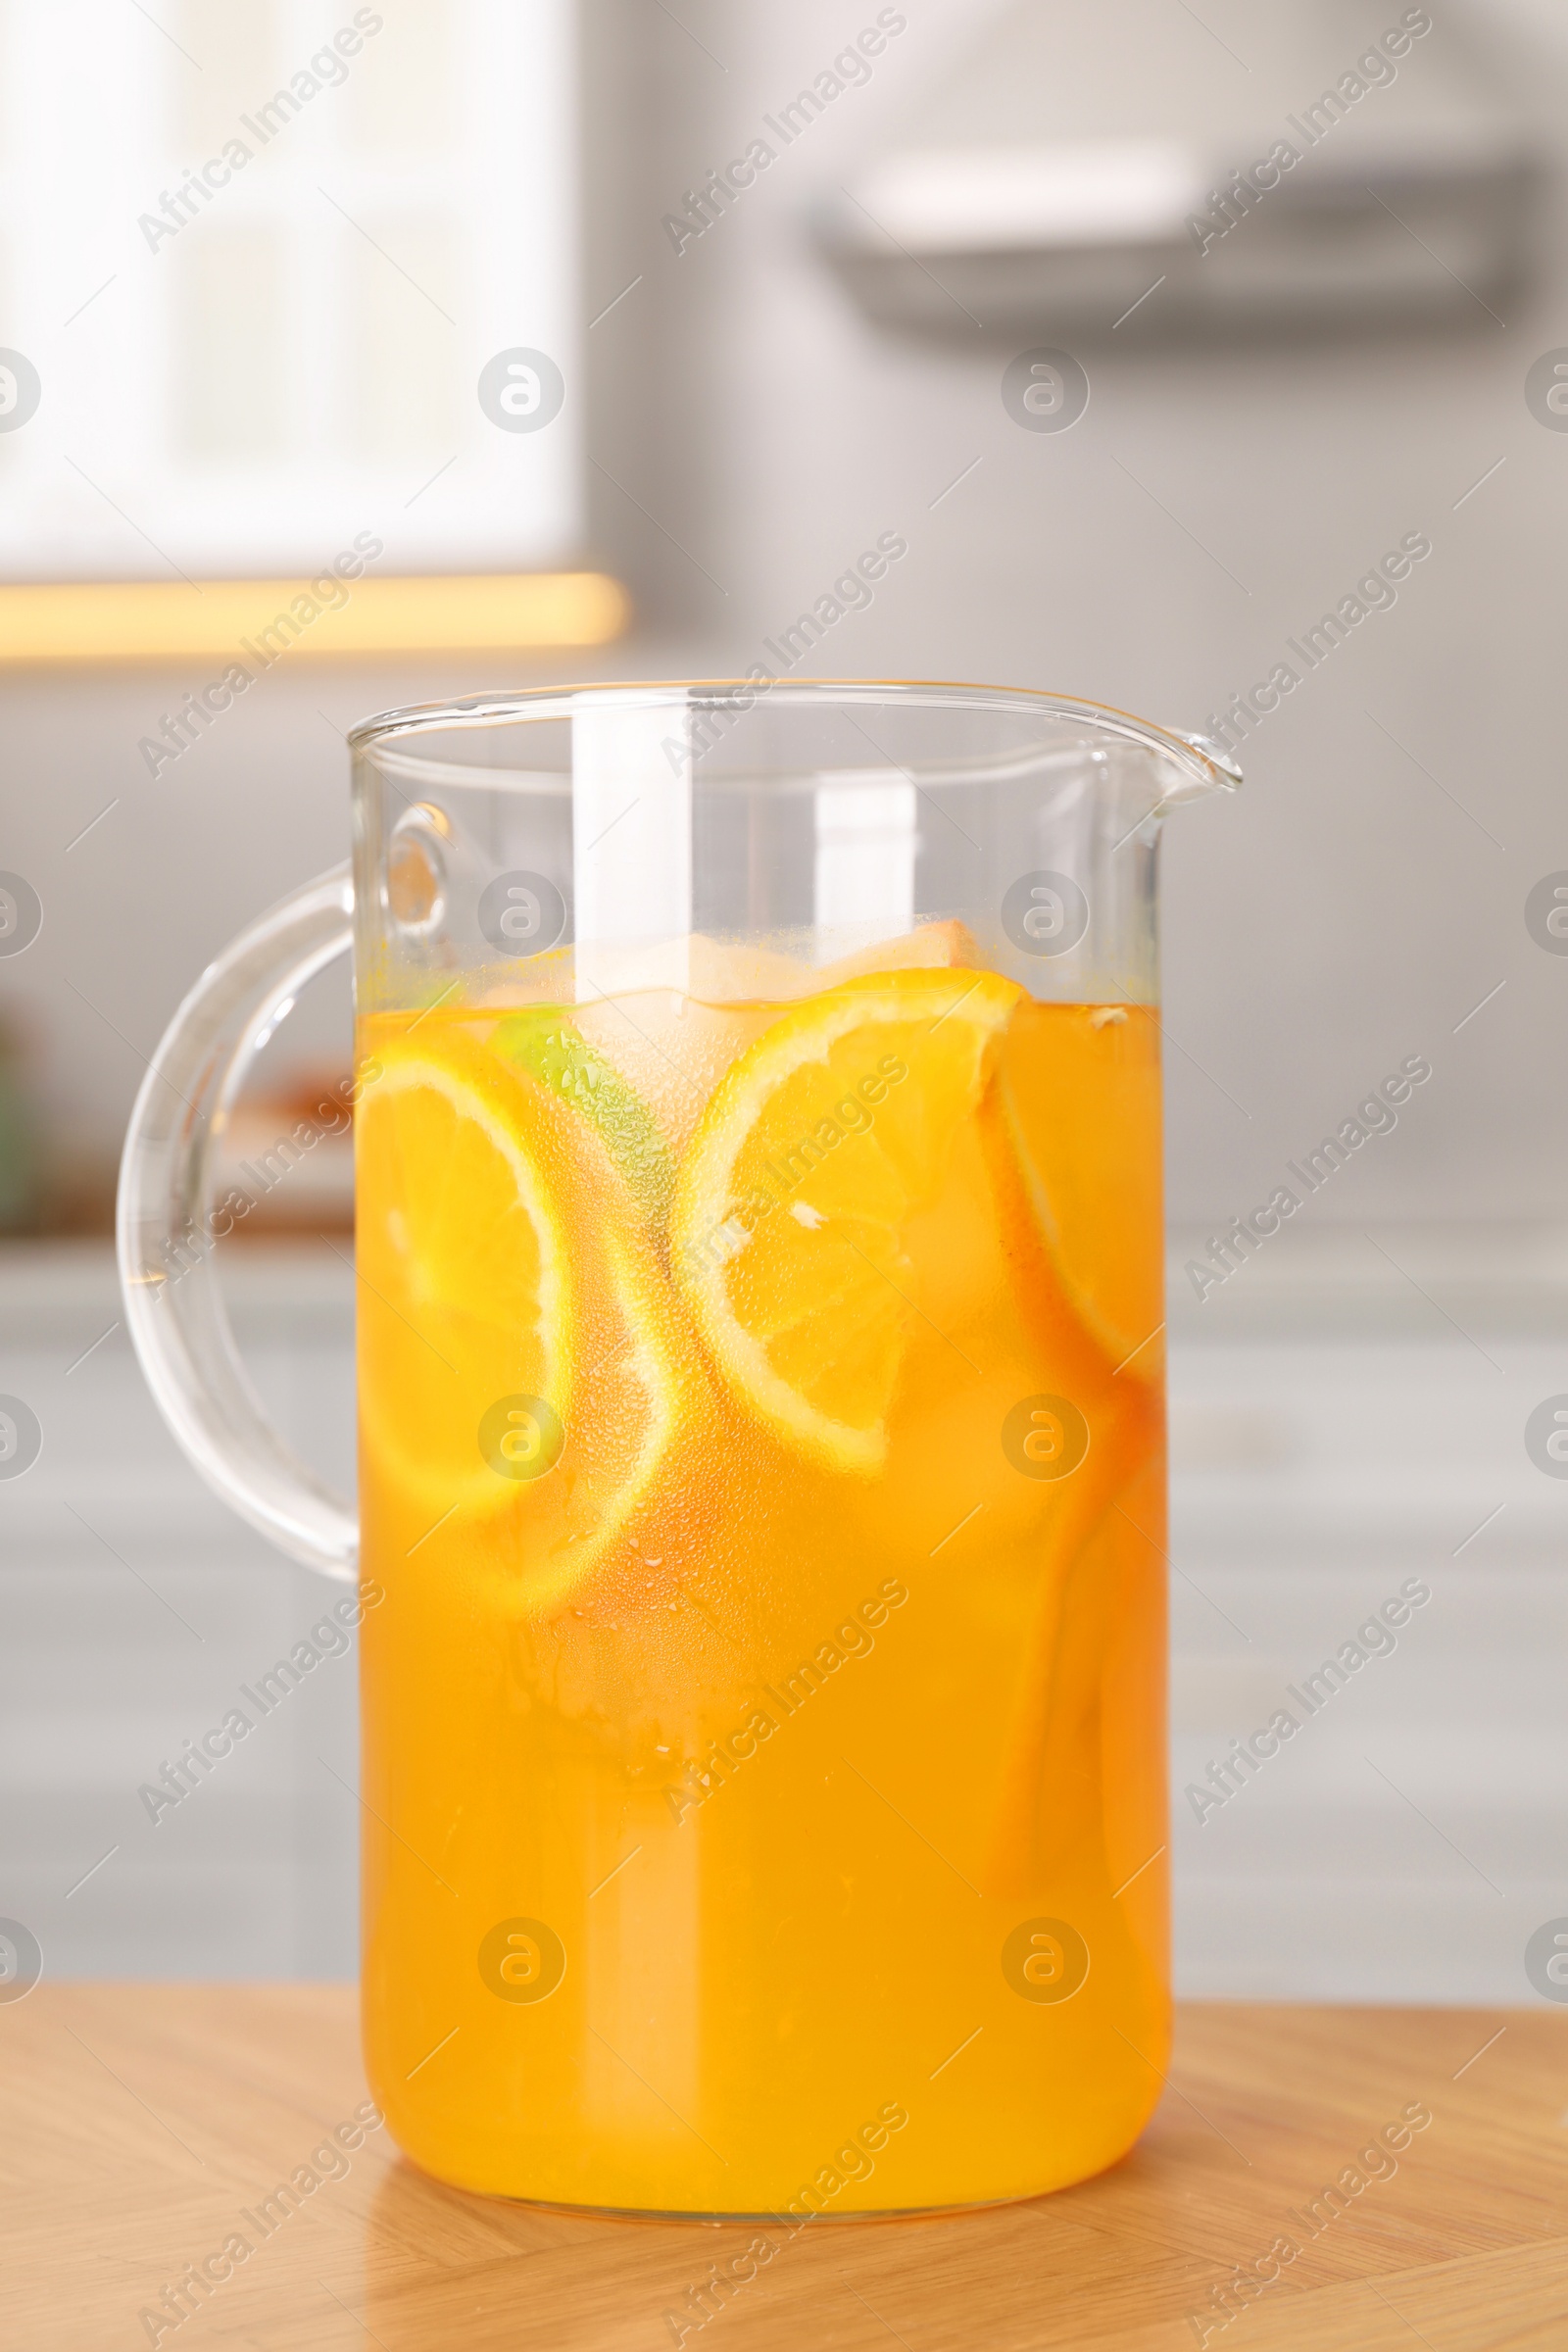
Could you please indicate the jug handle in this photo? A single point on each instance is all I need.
(169, 1227)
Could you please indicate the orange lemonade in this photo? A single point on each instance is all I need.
(761, 1475)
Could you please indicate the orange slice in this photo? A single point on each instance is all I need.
(633, 1396)
(466, 1293)
(519, 1355)
(1077, 1097)
(820, 1146)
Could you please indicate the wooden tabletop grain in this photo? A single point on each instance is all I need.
(144, 2127)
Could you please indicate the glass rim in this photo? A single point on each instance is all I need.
(1203, 764)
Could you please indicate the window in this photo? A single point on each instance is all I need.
(258, 253)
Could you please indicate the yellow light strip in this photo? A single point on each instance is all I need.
(257, 622)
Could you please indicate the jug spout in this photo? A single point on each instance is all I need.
(1207, 767)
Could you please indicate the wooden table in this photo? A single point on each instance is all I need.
(138, 2123)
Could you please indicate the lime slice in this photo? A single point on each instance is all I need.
(542, 1042)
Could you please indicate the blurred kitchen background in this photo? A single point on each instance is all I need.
(758, 381)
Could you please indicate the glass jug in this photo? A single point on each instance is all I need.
(760, 1524)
